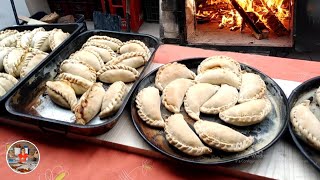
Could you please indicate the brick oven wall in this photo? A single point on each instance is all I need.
(169, 25)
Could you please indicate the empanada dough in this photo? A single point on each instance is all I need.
(113, 43)
(180, 135)
(78, 68)
(61, 93)
(32, 59)
(78, 83)
(219, 62)
(90, 57)
(13, 61)
(7, 81)
(247, 113)
(148, 105)
(222, 137)
(113, 73)
(252, 87)
(40, 40)
(134, 46)
(105, 52)
(56, 37)
(132, 59)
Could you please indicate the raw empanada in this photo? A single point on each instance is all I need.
(90, 57)
(78, 68)
(113, 98)
(226, 97)
(220, 76)
(113, 43)
(133, 59)
(247, 113)
(56, 37)
(180, 135)
(105, 52)
(317, 94)
(306, 124)
(222, 137)
(89, 104)
(134, 46)
(11, 41)
(32, 59)
(148, 104)
(174, 92)
(6, 33)
(7, 81)
(26, 38)
(61, 93)
(170, 72)
(197, 95)
(40, 40)
(78, 83)
(219, 62)
(113, 73)
(13, 61)
(4, 51)
(252, 87)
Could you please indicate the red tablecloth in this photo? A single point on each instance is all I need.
(83, 160)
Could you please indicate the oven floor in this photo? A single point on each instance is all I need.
(209, 33)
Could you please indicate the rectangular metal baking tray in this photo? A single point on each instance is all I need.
(28, 101)
(73, 28)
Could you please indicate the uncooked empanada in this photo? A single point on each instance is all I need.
(180, 135)
(113, 73)
(220, 76)
(61, 93)
(78, 68)
(113, 43)
(40, 40)
(222, 137)
(32, 59)
(4, 51)
(26, 38)
(132, 59)
(226, 97)
(7, 81)
(247, 113)
(174, 92)
(11, 41)
(105, 52)
(197, 95)
(89, 104)
(148, 103)
(170, 72)
(56, 37)
(134, 46)
(90, 57)
(306, 124)
(13, 61)
(219, 62)
(252, 87)
(113, 98)
(78, 83)
(6, 33)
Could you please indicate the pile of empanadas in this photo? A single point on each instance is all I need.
(20, 52)
(305, 123)
(219, 88)
(103, 59)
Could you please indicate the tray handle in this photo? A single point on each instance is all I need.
(50, 128)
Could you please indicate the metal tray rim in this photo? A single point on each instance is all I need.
(214, 163)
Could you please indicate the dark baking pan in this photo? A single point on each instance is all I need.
(30, 101)
(305, 91)
(73, 29)
(265, 133)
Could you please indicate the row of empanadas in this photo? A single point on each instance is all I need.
(6, 83)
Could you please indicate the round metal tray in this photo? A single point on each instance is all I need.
(265, 133)
(305, 91)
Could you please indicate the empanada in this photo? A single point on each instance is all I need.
(56, 37)
(219, 62)
(26, 38)
(132, 59)
(78, 83)
(220, 76)
(40, 40)
(148, 105)
(113, 43)
(170, 72)
(4, 51)
(197, 95)
(32, 59)
(11, 41)
(13, 61)
(226, 97)
(90, 57)
(180, 135)
(113, 73)
(113, 98)
(78, 68)
(7, 81)
(306, 124)
(61, 93)
(89, 104)
(252, 87)
(222, 137)
(247, 113)
(6, 33)
(105, 52)
(134, 46)
(174, 92)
